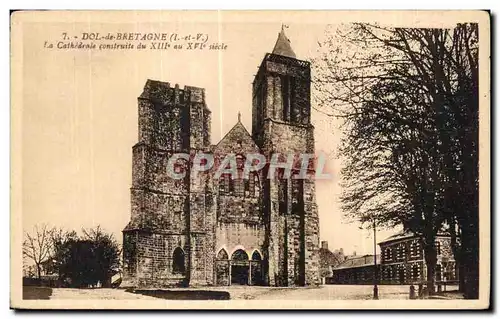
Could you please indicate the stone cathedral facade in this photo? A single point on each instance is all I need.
(200, 230)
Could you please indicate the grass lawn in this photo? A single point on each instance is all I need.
(33, 292)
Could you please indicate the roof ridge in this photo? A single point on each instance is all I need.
(232, 129)
(283, 46)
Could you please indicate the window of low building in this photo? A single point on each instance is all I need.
(388, 254)
(415, 248)
(389, 272)
(438, 272)
(415, 271)
(401, 251)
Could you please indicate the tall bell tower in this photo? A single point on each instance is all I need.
(281, 123)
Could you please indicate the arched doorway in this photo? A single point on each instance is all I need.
(256, 269)
(222, 264)
(239, 267)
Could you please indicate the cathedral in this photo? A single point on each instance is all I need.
(207, 231)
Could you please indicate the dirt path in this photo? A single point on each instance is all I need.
(97, 293)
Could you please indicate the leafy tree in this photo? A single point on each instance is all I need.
(62, 240)
(86, 261)
(408, 101)
(106, 253)
(77, 264)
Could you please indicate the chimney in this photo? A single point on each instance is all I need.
(324, 244)
(354, 253)
(342, 251)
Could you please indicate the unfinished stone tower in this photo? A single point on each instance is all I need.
(172, 221)
(206, 231)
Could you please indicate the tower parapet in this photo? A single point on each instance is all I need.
(171, 118)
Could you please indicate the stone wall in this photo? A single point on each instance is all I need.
(292, 236)
(233, 236)
(197, 215)
(169, 213)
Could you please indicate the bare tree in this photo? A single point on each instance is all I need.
(38, 246)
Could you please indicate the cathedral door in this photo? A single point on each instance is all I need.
(240, 267)
(256, 269)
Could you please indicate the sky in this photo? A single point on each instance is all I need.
(79, 112)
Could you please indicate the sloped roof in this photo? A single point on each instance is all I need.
(399, 235)
(406, 233)
(238, 133)
(330, 258)
(282, 46)
(361, 261)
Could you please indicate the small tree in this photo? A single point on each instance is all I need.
(62, 240)
(88, 260)
(106, 252)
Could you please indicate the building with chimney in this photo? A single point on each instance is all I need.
(329, 259)
(202, 230)
(401, 262)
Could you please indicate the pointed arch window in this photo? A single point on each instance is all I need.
(226, 185)
(297, 192)
(256, 256)
(250, 185)
(223, 186)
(222, 255)
(239, 255)
(238, 181)
(178, 261)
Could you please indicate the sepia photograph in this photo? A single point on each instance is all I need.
(250, 160)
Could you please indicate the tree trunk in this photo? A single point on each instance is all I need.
(39, 273)
(472, 280)
(470, 239)
(471, 265)
(430, 262)
(461, 276)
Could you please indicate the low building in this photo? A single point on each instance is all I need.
(329, 260)
(403, 260)
(355, 270)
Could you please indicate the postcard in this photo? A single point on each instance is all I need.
(250, 160)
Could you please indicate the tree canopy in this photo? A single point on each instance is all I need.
(408, 102)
